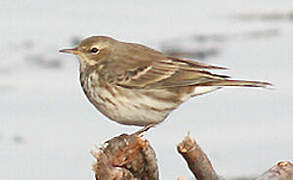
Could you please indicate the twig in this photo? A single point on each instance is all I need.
(197, 160)
(130, 157)
(281, 171)
(127, 157)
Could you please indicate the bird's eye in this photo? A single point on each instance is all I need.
(95, 50)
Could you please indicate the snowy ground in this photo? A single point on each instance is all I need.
(47, 127)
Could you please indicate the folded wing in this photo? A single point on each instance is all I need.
(171, 72)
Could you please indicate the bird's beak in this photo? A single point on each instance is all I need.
(71, 51)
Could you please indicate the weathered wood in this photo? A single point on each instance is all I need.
(197, 160)
(127, 157)
(281, 171)
(130, 157)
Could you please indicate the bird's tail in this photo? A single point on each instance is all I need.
(243, 83)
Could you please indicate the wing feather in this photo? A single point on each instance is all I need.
(170, 72)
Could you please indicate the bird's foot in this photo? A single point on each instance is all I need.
(144, 129)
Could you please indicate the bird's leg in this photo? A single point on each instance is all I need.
(144, 129)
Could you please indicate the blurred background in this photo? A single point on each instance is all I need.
(48, 127)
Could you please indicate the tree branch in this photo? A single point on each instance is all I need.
(130, 157)
(127, 157)
(197, 160)
(281, 171)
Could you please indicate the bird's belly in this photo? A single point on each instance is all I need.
(130, 106)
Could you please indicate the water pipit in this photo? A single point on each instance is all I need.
(136, 85)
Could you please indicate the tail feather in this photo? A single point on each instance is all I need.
(239, 83)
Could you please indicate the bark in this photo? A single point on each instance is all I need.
(281, 171)
(197, 160)
(127, 157)
(130, 157)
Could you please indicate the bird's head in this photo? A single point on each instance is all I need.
(93, 50)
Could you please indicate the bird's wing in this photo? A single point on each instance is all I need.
(169, 72)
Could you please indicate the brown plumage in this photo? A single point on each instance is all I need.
(136, 85)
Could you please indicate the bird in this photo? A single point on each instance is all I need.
(133, 84)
